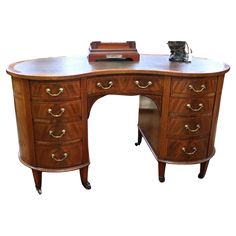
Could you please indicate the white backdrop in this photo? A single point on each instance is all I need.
(126, 197)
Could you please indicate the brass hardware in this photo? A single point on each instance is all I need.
(197, 90)
(192, 130)
(200, 106)
(189, 153)
(143, 86)
(110, 84)
(48, 91)
(65, 155)
(57, 136)
(62, 110)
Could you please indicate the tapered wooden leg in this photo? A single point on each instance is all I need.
(203, 169)
(84, 177)
(37, 180)
(161, 169)
(139, 138)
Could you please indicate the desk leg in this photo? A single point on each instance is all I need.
(203, 169)
(139, 138)
(84, 177)
(161, 169)
(37, 180)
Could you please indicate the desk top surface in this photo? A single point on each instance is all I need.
(55, 68)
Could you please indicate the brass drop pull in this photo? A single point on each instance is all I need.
(62, 110)
(189, 153)
(57, 136)
(64, 156)
(110, 84)
(60, 91)
(143, 86)
(192, 130)
(197, 90)
(200, 106)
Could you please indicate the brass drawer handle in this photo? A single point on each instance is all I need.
(60, 90)
(57, 136)
(65, 155)
(197, 90)
(143, 86)
(110, 84)
(62, 110)
(200, 106)
(189, 153)
(192, 130)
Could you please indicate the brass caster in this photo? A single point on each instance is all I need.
(87, 185)
(39, 190)
(161, 179)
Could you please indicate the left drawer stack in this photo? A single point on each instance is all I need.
(57, 125)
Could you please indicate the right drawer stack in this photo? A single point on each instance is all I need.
(190, 116)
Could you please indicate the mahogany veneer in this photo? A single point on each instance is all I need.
(179, 106)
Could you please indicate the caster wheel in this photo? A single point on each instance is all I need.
(201, 176)
(39, 191)
(87, 185)
(161, 179)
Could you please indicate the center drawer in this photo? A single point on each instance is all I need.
(125, 84)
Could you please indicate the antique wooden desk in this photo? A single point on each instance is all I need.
(179, 106)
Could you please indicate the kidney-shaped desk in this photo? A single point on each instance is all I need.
(178, 111)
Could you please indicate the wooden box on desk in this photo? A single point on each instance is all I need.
(100, 51)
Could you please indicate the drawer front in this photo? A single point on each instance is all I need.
(125, 84)
(191, 106)
(104, 85)
(57, 111)
(58, 132)
(59, 156)
(187, 150)
(193, 87)
(189, 127)
(145, 84)
(55, 90)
